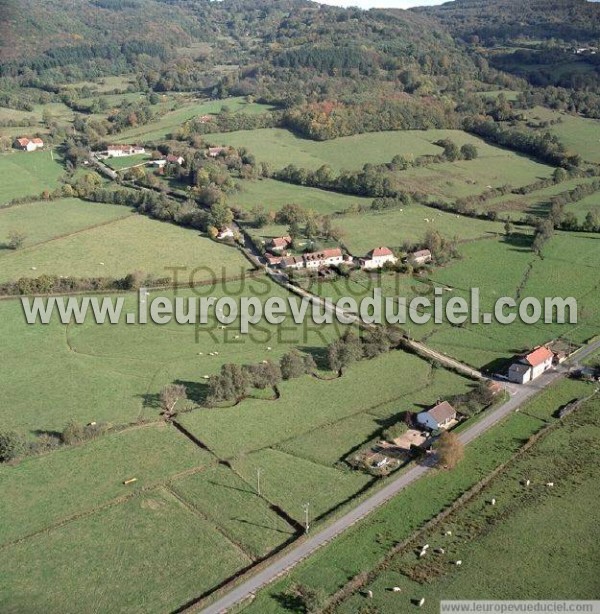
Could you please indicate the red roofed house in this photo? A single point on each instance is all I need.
(531, 365)
(327, 257)
(273, 260)
(280, 244)
(442, 416)
(171, 159)
(376, 258)
(29, 144)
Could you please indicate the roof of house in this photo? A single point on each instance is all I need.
(172, 158)
(120, 147)
(442, 411)
(37, 141)
(334, 252)
(281, 241)
(216, 150)
(381, 251)
(23, 141)
(423, 253)
(538, 356)
(291, 260)
(271, 259)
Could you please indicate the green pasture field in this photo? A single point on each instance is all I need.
(135, 243)
(363, 545)
(579, 134)
(585, 206)
(61, 114)
(290, 482)
(364, 232)
(28, 173)
(47, 220)
(451, 180)
(280, 147)
(538, 202)
(503, 268)
(127, 161)
(235, 507)
(113, 373)
(91, 475)
(168, 123)
(307, 404)
(273, 195)
(534, 564)
(147, 554)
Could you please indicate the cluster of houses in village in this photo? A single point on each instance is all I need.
(26, 144)
(277, 255)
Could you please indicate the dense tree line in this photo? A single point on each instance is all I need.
(545, 147)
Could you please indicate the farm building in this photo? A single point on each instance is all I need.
(26, 144)
(316, 260)
(280, 244)
(532, 365)
(421, 257)
(292, 262)
(442, 416)
(121, 151)
(378, 257)
(327, 257)
(205, 119)
(171, 159)
(273, 260)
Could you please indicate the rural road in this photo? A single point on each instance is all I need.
(519, 395)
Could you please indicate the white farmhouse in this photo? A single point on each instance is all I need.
(531, 366)
(29, 144)
(377, 258)
(442, 416)
(121, 151)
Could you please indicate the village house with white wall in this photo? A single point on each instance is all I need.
(531, 365)
(377, 258)
(27, 144)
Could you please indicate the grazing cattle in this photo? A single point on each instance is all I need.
(440, 550)
(527, 482)
(421, 602)
(422, 553)
(550, 484)
(370, 594)
(397, 589)
(458, 563)
(493, 502)
(448, 533)
(425, 547)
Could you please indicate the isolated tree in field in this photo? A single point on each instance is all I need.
(170, 395)
(449, 449)
(344, 351)
(16, 238)
(468, 151)
(508, 228)
(12, 445)
(309, 600)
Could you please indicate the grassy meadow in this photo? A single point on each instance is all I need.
(28, 173)
(118, 247)
(184, 110)
(361, 547)
(527, 563)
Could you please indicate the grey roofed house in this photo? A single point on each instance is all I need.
(437, 417)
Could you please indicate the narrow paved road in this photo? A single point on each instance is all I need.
(519, 395)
